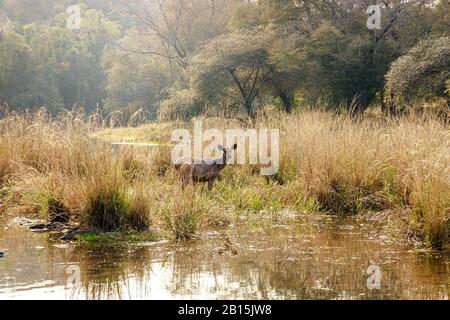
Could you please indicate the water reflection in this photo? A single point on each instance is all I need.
(288, 261)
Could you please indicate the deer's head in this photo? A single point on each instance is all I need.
(227, 152)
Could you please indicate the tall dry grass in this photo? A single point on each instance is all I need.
(345, 165)
(352, 165)
(54, 168)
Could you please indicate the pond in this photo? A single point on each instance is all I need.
(325, 258)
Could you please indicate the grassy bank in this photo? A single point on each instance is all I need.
(56, 169)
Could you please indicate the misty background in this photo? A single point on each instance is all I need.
(180, 58)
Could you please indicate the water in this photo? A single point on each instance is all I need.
(326, 259)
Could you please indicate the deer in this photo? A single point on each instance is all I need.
(193, 171)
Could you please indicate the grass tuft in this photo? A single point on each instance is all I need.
(186, 214)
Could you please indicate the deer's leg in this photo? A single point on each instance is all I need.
(184, 181)
(210, 184)
(192, 181)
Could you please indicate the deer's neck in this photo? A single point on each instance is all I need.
(222, 165)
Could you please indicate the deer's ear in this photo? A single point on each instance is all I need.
(234, 147)
(220, 147)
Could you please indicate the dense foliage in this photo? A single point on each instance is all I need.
(424, 70)
(181, 57)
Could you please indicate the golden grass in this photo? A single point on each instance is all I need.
(345, 165)
(400, 164)
(53, 167)
(152, 133)
(185, 213)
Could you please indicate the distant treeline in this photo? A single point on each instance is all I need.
(179, 58)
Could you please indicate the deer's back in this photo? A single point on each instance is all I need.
(201, 171)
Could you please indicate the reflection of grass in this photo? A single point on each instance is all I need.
(107, 267)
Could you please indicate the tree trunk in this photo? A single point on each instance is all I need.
(287, 100)
(384, 107)
(249, 109)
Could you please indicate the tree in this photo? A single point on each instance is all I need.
(346, 60)
(173, 29)
(134, 81)
(286, 62)
(218, 53)
(52, 66)
(181, 104)
(23, 82)
(423, 70)
(27, 11)
(233, 65)
(345, 69)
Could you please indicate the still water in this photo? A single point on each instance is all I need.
(320, 259)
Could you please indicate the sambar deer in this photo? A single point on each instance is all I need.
(193, 171)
